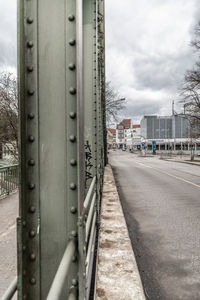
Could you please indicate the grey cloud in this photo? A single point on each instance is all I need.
(8, 34)
(135, 109)
(162, 72)
(149, 41)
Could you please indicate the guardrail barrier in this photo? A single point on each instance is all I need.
(9, 180)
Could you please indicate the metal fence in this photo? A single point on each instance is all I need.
(9, 179)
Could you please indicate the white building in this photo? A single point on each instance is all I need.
(134, 137)
(122, 131)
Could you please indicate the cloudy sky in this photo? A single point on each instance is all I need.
(147, 49)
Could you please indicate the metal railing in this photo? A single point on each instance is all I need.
(62, 272)
(8, 179)
(90, 215)
(10, 291)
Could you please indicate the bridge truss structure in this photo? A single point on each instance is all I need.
(61, 51)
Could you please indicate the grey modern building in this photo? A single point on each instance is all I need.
(164, 127)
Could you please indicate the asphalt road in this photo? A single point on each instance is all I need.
(161, 202)
(8, 265)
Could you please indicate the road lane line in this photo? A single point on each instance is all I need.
(179, 178)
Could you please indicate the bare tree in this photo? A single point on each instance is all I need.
(114, 103)
(191, 87)
(8, 113)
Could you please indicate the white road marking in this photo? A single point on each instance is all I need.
(174, 176)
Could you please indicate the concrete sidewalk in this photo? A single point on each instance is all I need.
(117, 276)
(183, 160)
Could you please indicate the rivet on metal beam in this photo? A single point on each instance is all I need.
(24, 223)
(31, 116)
(73, 162)
(30, 69)
(72, 91)
(72, 115)
(32, 209)
(74, 282)
(29, 20)
(32, 257)
(31, 186)
(71, 18)
(72, 138)
(72, 186)
(33, 281)
(31, 92)
(74, 233)
(31, 138)
(32, 233)
(31, 162)
(25, 297)
(24, 248)
(72, 67)
(29, 44)
(73, 210)
(72, 42)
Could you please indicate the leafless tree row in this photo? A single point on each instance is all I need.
(8, 114)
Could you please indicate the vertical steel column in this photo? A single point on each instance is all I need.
(88, 92)
(52, 168)
(72, 132)
(29, 211)
(81, 158)
(100, 87)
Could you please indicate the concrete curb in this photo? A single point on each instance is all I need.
(117, 275)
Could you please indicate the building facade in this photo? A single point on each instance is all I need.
(122, 131)
(167, 133)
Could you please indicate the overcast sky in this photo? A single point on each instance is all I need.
(147, 49)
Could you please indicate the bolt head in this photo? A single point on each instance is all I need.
(29, 20)
(72, 115)
(74, 233)
(72, 42)
(73, 162)
(31, 162)
(72, 138)
(33, 281)
(32, 233)
(31, 116)
(71, 18)
(31, 138)
(74, 282)
(29, 44)
(73, 210)
(31, 92)
(30, 69)
(32, 256)
(32, 209)
(72, 67)
(72, 186)
(72, 91)
(31, 186)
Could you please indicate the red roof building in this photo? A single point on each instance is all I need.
(126, 123)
